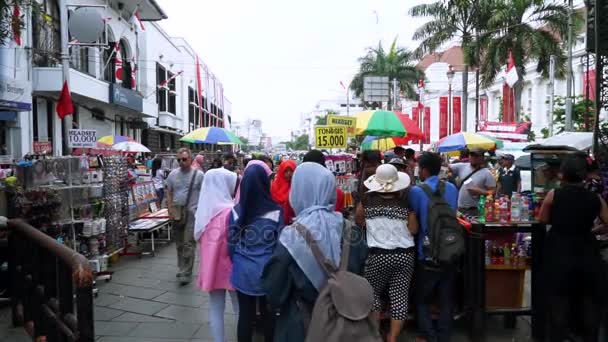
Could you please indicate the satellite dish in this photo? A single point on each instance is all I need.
(86, 25)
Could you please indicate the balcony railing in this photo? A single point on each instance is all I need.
(51, 287)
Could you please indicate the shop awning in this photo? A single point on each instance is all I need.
(8, 116)
(568, 141)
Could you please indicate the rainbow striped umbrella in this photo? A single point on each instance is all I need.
(113, 139)
(212, 135)
(458, 141)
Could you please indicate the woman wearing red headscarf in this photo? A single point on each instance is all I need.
(281, 186)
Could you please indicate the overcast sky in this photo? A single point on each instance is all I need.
(277, 58)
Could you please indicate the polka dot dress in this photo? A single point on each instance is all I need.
(392, 271)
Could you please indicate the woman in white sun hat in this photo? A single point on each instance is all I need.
(390, 226)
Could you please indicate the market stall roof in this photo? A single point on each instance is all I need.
(567, 141)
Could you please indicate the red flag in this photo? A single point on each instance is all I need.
(141, 23)
(64, 104)
(16, 24)
(165, 82)
(199, 91)
(512, 76)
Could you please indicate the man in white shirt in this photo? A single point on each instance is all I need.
(475, 181)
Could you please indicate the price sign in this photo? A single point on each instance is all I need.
(330, 136)
(43, 147)
(348, 121)
(82, 138)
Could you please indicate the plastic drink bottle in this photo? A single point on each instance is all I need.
(507, 254)
(481, 209)
(515, 208)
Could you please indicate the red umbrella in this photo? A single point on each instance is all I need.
(411, 127)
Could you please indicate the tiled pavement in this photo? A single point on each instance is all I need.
(144, 303)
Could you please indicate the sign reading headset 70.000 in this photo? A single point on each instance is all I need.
(330, 136)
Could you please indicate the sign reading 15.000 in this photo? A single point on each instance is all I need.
(330, 136)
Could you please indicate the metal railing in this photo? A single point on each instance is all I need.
(51, 287)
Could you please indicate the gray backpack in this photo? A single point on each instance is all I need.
(446, 243)
(342, 311)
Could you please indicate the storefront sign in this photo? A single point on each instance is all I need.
(14, 95)
(348, 121)
(82, 138)
(126, 98)
(330, 136)
(43, 147)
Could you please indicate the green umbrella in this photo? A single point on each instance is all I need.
(379, 123)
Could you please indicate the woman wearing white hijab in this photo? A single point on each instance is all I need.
(215, 204)
(293, 277)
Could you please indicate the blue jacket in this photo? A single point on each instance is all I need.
(419, 202)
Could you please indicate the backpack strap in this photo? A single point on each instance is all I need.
(326, 264)
(427, 190)
(346, 237)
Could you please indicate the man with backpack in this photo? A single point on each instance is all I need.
(439, 244)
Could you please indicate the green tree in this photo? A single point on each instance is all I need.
(300, 143)
(532, 30)
(8, 21)
(583, 114)
(321, 120)
(245, 147)
(396, 63)
(452, 20)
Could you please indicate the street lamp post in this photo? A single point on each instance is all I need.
(450, 122)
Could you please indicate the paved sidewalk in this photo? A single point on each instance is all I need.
(144, 303)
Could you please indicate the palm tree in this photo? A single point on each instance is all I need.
(397, 63)
(532, 30)
(450, 20)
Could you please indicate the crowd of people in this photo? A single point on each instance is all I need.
(256, 229)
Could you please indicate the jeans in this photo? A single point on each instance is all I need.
(426, 282)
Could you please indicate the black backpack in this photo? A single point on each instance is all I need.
(445, 244)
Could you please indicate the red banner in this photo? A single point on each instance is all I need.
(443, 116)
(456, 115)
(416, 119)
(483, 110)
(427, 125)
(589, 82)
(508, 104)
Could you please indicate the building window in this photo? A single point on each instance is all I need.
(46, 35)
(193, 110)
(166, 95)
(80, 58)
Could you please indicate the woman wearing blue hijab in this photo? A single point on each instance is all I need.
(255, 224)
(293, 277)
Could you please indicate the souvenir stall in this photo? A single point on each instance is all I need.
(146, 218)
(78, 200)
(344, 167)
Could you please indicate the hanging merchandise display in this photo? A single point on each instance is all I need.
(344, 167)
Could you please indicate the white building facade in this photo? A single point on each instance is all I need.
(117, 87)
